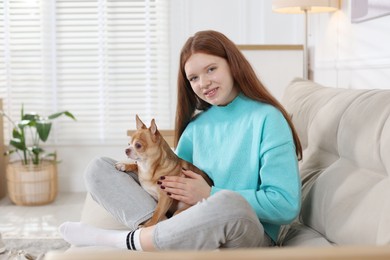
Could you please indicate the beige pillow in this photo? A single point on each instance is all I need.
(95, 215)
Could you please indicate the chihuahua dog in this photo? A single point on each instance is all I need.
(154, 158)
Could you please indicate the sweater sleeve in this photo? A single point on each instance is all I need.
(184, 148)
(277, 197)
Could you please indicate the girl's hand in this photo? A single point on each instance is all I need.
(189, 189)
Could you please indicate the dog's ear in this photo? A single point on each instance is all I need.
(139, 123)
(154, 131)
(153, 127)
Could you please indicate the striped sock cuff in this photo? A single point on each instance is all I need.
(130, 241)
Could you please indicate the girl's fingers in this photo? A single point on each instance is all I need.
(190, 174)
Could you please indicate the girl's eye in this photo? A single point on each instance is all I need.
(193, 79)
(138, 145)
(211, 69)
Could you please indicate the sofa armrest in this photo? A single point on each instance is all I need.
(293, 253)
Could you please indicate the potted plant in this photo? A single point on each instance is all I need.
(32, 180)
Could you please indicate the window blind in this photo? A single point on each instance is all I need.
(102, 60)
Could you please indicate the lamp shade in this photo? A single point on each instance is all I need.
(300, 6)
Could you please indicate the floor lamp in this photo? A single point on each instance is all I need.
(305, 7)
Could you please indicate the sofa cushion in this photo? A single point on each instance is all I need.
(95, 215)
(346, 161)
(302, 235)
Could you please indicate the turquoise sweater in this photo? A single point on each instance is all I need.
(247, 147)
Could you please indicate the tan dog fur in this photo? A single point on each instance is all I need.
(154, 159)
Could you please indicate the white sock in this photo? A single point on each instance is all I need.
(80, 234)
(133, 240)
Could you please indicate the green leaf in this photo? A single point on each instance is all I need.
(37, 150)
(66, 113)
(22, 112)
(18, 144)
(52, 155)
(43, 129)
(24, 123)
(16, 133)
(69, 114)
(30, 116)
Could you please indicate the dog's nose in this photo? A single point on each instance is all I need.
(127, 151)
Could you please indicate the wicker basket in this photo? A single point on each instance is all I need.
(31, 185)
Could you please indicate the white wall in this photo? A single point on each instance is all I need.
(350, 55)
(75, 159)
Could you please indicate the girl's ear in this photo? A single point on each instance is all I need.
(139, 123)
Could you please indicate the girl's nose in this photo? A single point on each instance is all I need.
(204, 82)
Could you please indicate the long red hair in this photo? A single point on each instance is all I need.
(245, 79)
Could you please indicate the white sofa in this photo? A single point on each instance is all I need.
(346, 165)
(345, 175)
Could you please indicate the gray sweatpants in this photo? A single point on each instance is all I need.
(224, 220)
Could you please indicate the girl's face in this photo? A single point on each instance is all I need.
(211, 79)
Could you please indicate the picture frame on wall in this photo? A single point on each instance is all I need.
(365, 10)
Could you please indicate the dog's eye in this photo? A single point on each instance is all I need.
(138, 145)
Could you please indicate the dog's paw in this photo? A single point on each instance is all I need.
(120, 166)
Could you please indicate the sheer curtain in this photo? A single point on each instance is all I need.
(102, 60)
